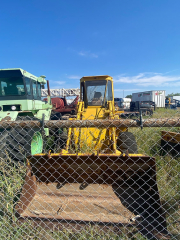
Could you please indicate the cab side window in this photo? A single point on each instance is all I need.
(39, 90)
(109, 92)
(28, 86)
(34, 90)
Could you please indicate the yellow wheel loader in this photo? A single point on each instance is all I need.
(104, 155)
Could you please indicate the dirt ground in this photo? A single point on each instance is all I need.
(94, 203)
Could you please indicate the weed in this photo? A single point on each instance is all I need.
(149, 143)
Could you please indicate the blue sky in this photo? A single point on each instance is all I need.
(137, 42)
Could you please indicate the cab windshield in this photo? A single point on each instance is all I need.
(13, 86)
(98, 92)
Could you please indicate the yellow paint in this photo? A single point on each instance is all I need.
(91, 140)
(173, 137)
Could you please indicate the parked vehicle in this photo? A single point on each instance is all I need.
(146, 107)
(61, 107)
(20, 99)
(156, 96)
(122, 103)
(105, 155)
(171, 103)
(178, 103)
(175, 98)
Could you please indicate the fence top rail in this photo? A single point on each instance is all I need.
(152, 122)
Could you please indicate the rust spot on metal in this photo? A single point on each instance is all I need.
(28, 192)
(7, 118)
(49, 154)
(88, 168)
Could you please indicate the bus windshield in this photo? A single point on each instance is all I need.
(13, 86)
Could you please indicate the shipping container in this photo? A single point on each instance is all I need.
(157, 96)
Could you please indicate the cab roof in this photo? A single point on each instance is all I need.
(25, 73)
(99, 77)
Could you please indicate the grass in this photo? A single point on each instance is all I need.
(168, 167)
(166, 113)
(28, 231)
(168, 179)
(11, 180)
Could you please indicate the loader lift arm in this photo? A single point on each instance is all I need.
(92, 155)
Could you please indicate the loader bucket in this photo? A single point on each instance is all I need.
(27, 193)
(132, 177)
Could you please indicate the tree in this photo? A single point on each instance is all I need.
(173, 94)
(129, 96)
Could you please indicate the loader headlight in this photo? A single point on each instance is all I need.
(13, 108)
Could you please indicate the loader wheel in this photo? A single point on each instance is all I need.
(56, 116)
(61, 140)
(126, 142)
(3, 137)
(21, 142)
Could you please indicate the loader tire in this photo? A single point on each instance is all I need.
(126, 142)
(56, 116)
(61, 140)
(17, 142)
(3, 137)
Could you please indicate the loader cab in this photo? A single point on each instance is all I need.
(20, 93)
(17, 84)
(96, 91)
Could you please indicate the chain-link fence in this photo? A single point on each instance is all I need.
(91, 179)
